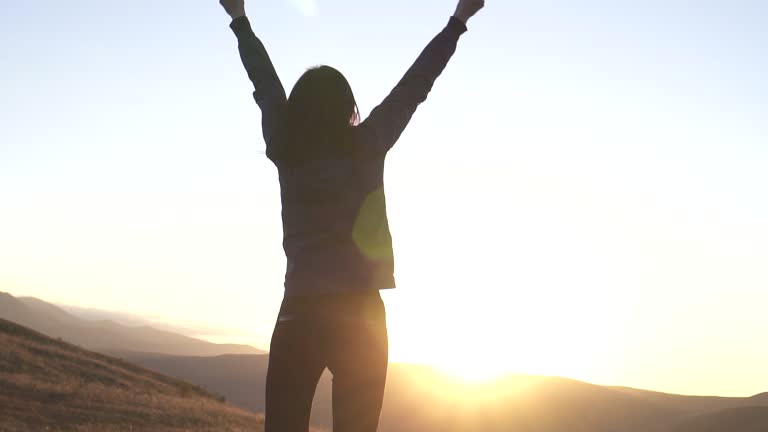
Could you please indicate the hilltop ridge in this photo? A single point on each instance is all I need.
(47, 384)
(105, 335)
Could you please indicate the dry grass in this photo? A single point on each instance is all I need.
(48, 385)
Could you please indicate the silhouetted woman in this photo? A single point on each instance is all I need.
(335, 231)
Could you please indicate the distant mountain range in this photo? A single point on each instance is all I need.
(107, 335)
(417, 399)
(420, 399)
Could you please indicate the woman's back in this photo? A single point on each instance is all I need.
(336, 233)
(335, 230)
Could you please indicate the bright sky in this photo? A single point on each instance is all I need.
(584, 193)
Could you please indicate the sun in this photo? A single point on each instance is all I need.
(480, 344)
(473, 371)
(457, 350)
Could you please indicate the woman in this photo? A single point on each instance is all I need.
(335, 231)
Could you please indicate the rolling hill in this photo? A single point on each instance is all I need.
(740, 419)
(420, 399)
(417, 399)
(50, 385)
(104, 335)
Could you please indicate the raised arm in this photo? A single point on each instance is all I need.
(268, 90)
(388, 120)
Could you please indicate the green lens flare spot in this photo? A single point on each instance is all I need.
(371, 231)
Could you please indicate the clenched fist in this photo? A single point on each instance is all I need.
(235, 8)
(468, 8)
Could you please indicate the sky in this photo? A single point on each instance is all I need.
(583, 194)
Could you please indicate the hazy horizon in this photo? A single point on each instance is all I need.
(224, 336)
(582, 195)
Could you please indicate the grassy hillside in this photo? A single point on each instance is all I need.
(46, 384)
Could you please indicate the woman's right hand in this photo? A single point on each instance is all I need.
(466, 9)
(234, 8)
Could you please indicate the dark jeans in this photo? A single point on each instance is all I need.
(346, 333)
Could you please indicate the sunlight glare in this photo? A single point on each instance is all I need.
(473, 372)
(306, 7)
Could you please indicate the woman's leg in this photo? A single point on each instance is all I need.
(358, 361)
(295, 366)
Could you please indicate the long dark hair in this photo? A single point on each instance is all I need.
(318, 118)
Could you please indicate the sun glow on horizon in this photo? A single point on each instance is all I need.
(476, 372)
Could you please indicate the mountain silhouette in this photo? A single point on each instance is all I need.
(105, 335)
(739, 419)
(417, 398)
(420, 398)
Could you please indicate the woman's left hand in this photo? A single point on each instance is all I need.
(234, 8)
